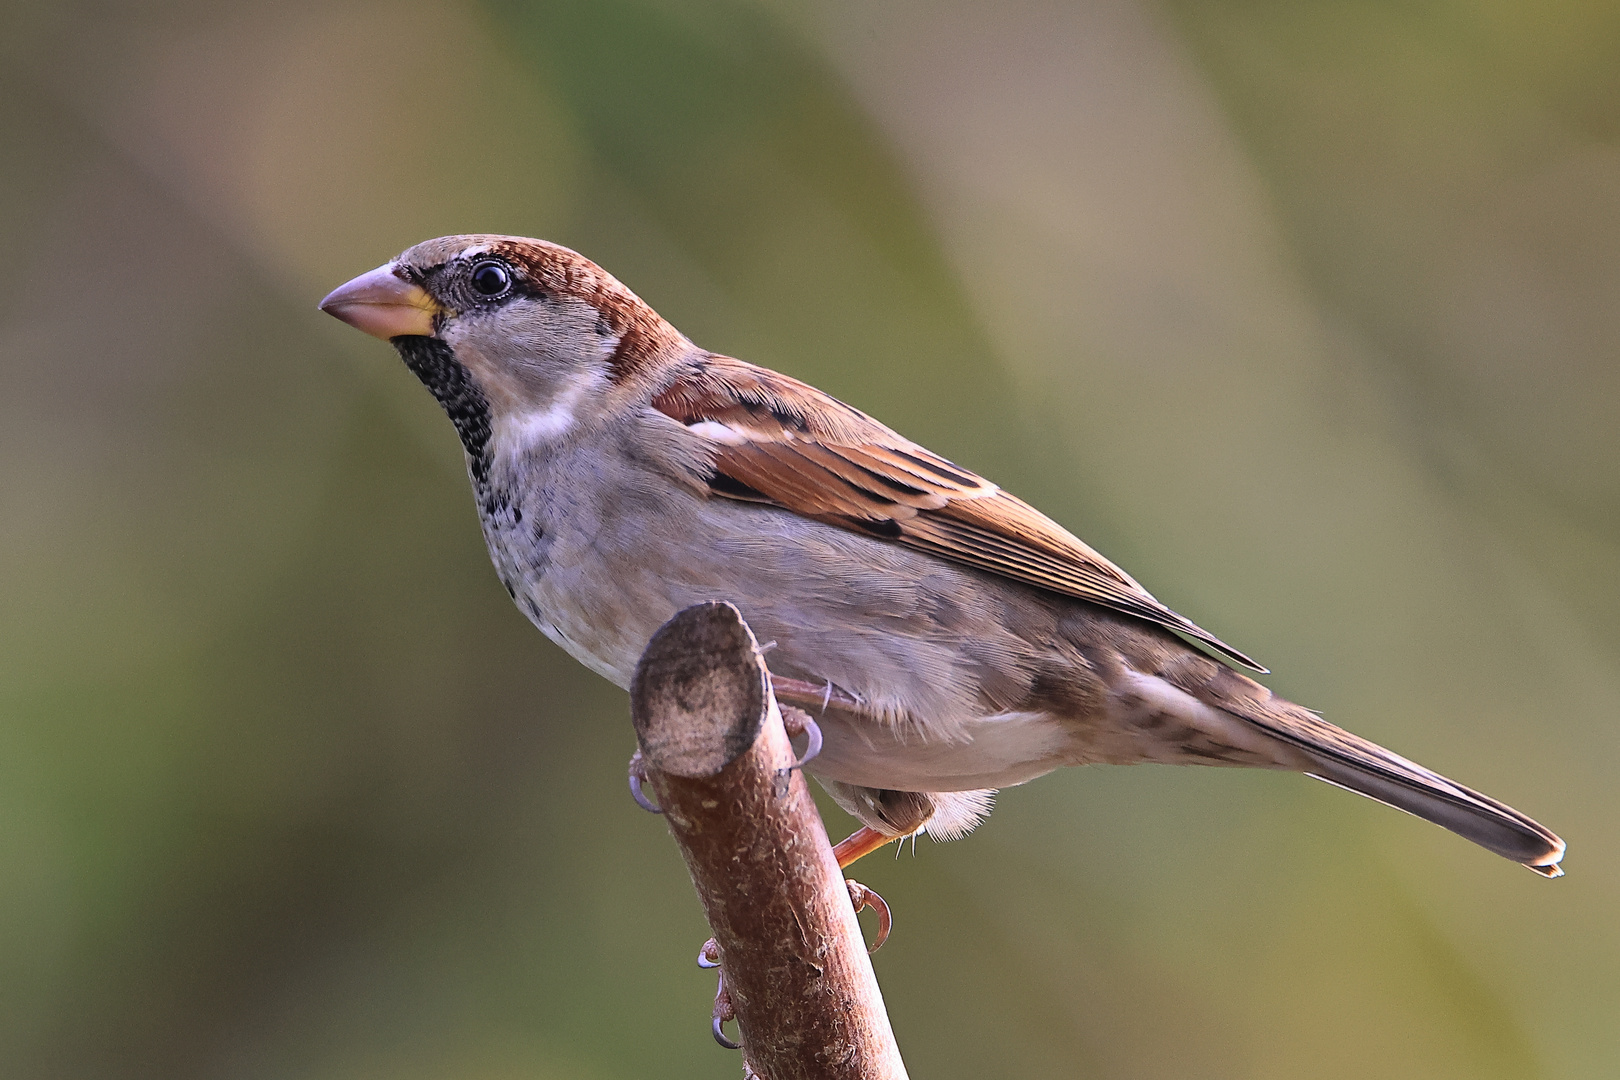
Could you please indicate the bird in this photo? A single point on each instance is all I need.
(952, 639)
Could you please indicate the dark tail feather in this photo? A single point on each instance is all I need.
(1410, 787)
(1330, 753)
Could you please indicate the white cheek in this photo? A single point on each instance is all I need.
(551, 422)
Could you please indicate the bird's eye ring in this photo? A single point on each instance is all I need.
(490, 279)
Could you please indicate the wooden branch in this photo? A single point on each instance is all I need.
(791, 953)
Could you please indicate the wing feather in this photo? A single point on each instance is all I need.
(788, 443)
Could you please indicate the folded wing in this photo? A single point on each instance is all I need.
(783, 442)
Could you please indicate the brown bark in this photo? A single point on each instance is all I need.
(719, 761)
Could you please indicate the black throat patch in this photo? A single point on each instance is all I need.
(447, 380)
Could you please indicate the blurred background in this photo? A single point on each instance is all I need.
(1307, 314)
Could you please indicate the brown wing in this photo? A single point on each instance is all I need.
(780, 441)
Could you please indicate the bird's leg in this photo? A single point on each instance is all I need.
(638, 775)
(809, 695)
(863, 841)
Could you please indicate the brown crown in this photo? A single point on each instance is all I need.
(645, 337)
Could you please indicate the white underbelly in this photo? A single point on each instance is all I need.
(990, 752)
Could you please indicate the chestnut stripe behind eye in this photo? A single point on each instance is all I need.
(644, 338)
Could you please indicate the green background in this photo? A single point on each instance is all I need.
(1306, 313)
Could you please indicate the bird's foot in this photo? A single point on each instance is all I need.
(798, 722)
(864, 898)
(638, 776)
(709, 957)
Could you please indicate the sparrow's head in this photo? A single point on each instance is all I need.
(510, 332)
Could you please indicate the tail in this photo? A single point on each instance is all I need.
(1405, 785)
(1349, 761)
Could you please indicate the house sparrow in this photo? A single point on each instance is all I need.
(952, 638)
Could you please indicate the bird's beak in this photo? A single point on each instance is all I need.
(383, 304)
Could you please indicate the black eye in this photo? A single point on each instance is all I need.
(490, 279)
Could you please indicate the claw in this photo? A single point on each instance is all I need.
(718, 1030)
(864, 898)
(638, 773)
(812, 745)
(798, 722)
(723, 1011)
(709, 955)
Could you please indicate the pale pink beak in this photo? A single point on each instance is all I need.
(383, 304)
